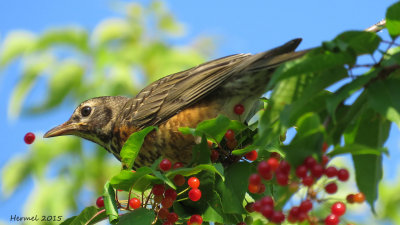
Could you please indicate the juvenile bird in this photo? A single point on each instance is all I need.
(183, 99)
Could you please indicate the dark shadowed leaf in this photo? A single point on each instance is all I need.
(139, 216)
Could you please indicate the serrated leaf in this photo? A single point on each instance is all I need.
(393, 20)
(132, 146)
(110, 203)
(139, 216)
(357, 149)
(362, 42)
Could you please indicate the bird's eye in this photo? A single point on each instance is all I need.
(85, 111)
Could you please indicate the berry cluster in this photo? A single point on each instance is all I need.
(337, 210)
(265, 206)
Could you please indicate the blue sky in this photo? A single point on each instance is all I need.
(237, 26)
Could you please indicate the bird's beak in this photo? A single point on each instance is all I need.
(66, 128)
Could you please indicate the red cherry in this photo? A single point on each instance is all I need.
(350, 198)
(214, 155)
(306, 206)
(278, 217)
(238, 109)
(302, 216)
(167, 203)
(230, 135)
(267, 211)
(273, 163)
(196, 219)
(170, 193)
(193, 182)
(301, 171)
(172, 217)
(194, 194)
(359, 197)
(267, 200)
(177, 165)
(331, 171)
(282, 179)
(309, 162)
(255, 179)
(254, 188)
(331, 188)
(134, 203)
(29, 138)
(308, 181)
(343, 175)
(262, 189)
(250, 207)
(165, 165)
(257, 206)
(284, 167)
(294, 211)
(317, 170)
(251, 155)
(100, 202)
(179, 180)
(264, 170)
(158, 189)
(332, 219)
(338, 208)
(163, 213)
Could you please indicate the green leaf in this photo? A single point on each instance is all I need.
(132, 146)
(111, 29)
(201, 152)
(216, 128)
(233, 190)
(127, 179)
(139, 216)
(347, 90)
(197, 169)
(308, 140)
(74, 37)
(357, 149)
(316, 61)
(383, 96)
(363, 42)
(87, 216)
(110, 203)
(31, 72)
(393, 20)
(14, 173)
(67, 77)
(15, 44)
(371, 130)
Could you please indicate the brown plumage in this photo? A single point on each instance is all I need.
(179, 100)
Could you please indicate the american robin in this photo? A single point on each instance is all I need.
(182, 99)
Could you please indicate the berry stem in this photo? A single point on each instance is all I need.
(182, 199)
(187, 189)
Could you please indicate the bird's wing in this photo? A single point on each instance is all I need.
(166, 97)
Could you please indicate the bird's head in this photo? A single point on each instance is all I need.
(93, 120)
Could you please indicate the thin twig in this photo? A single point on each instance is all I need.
(377, 27)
